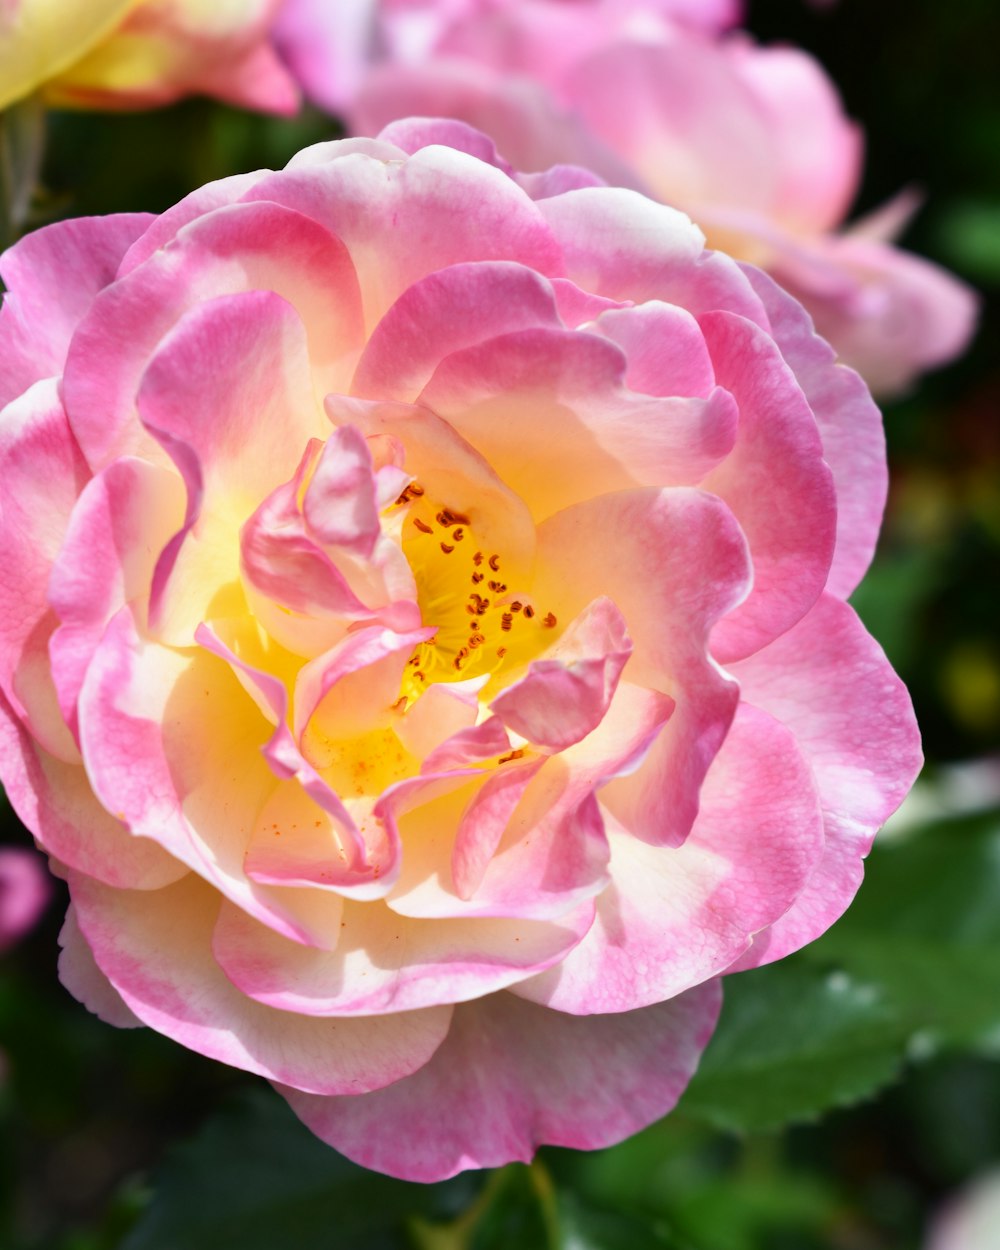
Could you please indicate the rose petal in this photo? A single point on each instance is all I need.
(829, 682)
(52, 275)
(554, 1079)
(674, 917)
(386, 963)
(155, 948)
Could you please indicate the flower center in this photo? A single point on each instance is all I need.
(482, 622)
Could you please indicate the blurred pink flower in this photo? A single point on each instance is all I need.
(751, 141)
(24, 891)
(971, 1219)
(429, 659)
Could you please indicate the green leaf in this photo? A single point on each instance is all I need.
(912, 968)
(254, 1178)
(794, 1041)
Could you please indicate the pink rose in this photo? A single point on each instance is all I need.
(24, 892)
(751, 141)
(141, 53)
(426, 652)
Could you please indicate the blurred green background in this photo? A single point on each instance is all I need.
(876, 1049)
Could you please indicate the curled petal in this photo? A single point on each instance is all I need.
(565, 696)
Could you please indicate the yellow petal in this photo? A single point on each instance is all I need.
(41, 38)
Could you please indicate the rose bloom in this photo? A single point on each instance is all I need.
(751, 141)
(424, 647)
(141, 53)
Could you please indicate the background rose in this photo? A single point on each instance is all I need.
(751, 141)
(139, 53)
(459, 892)
(970, 1218)
(24, 891)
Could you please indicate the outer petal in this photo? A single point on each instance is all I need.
(42, 473)
(86, 982)
(172, 746)
(52, 275)
(829, 682)
(512, 1076)
(155, 948)
(55, 801)
(456, 208)
(122, 521)
(776, 483)
(626, 247)
(674, 917)
(850, 426)
(233, 249)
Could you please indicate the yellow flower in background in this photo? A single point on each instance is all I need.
(39, 39)
(142, 53)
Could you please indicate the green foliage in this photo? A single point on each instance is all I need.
(914, 966)
(254, 1179)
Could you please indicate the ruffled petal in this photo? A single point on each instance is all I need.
(512, 1076)
(830, 683)
(156, 950)
(674, 917)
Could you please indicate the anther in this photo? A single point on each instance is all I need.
(400, 705)
(550, 620)
(447, 548)
(514, 755)
(477, 559)
(477, 578)
(415, 489)
(422, 526)
(458, 534)
(494, 563)
(529, 611)
(506, 621)
(516, 606)
(501, 652)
